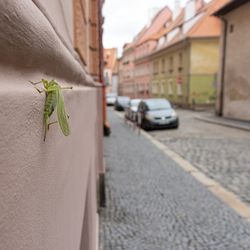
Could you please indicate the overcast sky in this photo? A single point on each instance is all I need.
(125, 18)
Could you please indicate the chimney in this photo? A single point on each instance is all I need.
(190, 9)
(177, 8)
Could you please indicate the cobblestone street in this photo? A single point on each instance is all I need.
(152, 204)
(220, 152)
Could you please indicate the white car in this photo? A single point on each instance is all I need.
(133, 108)
(111, 98)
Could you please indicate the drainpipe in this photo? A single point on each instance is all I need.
(106, 127)
(221, 103)
(188, 97)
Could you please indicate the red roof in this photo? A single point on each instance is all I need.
(205, 25)
(209, 25)
(158, 22)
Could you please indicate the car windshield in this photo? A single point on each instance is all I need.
(135, 102)
(123, 99)
(156, 104)
(111, 95)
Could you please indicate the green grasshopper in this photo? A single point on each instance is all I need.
(54, 99)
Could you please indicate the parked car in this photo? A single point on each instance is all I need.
(121, 103)
(132, 109)
(110, 99)
(157, 113)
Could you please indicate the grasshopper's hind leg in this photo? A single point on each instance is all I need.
(52, 123)
(39, 91)
(45, 132)
(46, 127)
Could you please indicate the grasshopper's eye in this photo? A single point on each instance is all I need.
(44, 81)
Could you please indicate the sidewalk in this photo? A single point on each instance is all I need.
(152, 204)
(212, 118)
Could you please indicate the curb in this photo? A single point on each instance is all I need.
(224, 195)
(221, 123)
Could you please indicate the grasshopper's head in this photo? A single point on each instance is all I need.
(53, 83)
(48, 84)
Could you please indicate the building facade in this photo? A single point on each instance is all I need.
(185, 61)
(233, 86)
(143, 48)
(135, 66)
(48, 195)
(126, 86)
(88, 23)
(176, 55)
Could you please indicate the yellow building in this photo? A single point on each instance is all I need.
(185, 61)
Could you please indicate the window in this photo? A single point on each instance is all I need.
(180, 59)
(161, 41)
(179, 82)
(162, 65)
(155, 88)
(162, 89)
(156, 68)
(171, 64)
(180, 62)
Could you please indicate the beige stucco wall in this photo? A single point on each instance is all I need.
(60, 13)
(204, 67)
(237, 73)
(47, 189)
(204, 56)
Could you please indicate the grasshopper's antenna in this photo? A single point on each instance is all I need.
(35, 83)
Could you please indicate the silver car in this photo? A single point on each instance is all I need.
(157, 113)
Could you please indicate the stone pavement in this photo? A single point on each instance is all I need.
(222, 153)
(152, 204)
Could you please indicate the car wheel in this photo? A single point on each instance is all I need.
(176, 125)
(144, 126)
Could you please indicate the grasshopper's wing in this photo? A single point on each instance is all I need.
(61, 113)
